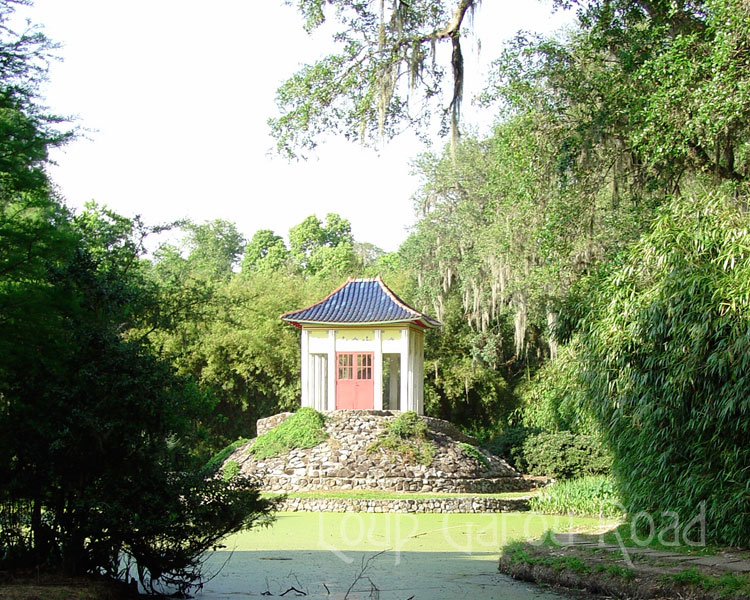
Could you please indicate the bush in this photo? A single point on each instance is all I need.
(407, 426)
(304, 429)
(473, 452)
(565, 455)
(594, 495)
(509, 446)
(406, 435)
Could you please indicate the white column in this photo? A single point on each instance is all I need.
(318, 383)
(323, 391)
(305, 368)
(331, 369)
(377, 370)
(393, 384)
(419, 373)
(405, 399)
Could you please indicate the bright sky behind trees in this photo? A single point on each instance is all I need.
(174, 96)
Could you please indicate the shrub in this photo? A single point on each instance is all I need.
(592, 495)
(406, 435)
(407, 426)
(509, 446)
(565, 455)
(304, 429)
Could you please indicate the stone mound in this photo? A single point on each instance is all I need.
(343, 463)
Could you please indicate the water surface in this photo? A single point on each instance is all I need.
(386, 556)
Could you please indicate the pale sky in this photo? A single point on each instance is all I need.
(175, 95)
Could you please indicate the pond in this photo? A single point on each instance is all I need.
(392, 556)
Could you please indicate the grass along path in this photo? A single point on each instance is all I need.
(389, 495)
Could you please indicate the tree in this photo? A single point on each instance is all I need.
(95, 430)
(651, 93)
(98, 433)
(365, 90)
(266, 251)
(367, 253)
(321, 248)
(215, 247)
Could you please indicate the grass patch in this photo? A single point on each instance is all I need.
(518, 552)
(214, 463)
(304, 429)
(473, 452)
(623, 534)
(615, 571)
(592, 495)
(390, 495)
(230, 470)
(727, 585)
(406, 436)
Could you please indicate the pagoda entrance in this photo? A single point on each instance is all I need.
(355, 385)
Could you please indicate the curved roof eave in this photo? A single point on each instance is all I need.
(360, 302)
(426, 323)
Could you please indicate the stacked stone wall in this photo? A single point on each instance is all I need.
(404, 505)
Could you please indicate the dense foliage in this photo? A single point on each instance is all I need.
(666, 362)
(564, 455)
(406, 436)
(561, 454)
(97, 432)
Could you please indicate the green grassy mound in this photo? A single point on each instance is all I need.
(304, 429)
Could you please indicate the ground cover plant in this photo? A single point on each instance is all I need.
(727, 585)
(473, 452)
(217, 460)
(618, 574)
(303, 429)
(407, 436)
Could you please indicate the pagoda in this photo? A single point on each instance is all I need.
(362, 348)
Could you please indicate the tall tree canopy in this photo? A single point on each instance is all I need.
(383, 75)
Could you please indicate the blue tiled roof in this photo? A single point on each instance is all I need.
(360, 301)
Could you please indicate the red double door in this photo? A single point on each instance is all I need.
(354, 383)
